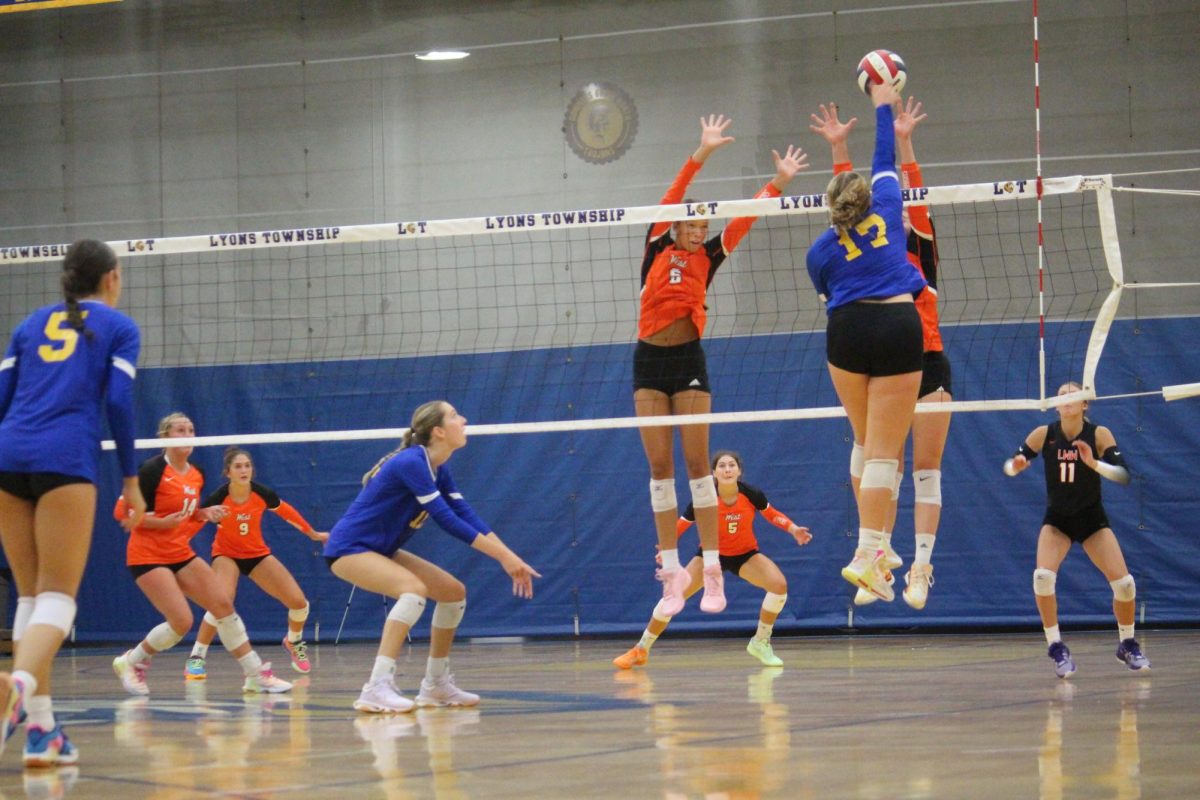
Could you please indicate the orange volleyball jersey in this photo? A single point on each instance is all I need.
(735, 523)
(240, 534)
(674, 280)
(167, 492)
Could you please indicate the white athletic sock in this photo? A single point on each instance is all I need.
(648, 639)
(384, 668)
(924, 548)
(885, 539)
(199, 650)
(437, 667)
(27, 680)
(41, 712)
(1125, 631)
(712, 558)
(251, 663)
(295, 636)
(869, 539)
(764, 631)
(1052, 634)
(670, 559)
(138, 654)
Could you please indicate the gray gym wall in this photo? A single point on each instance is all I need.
(144, 119)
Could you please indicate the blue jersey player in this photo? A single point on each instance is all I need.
(65, 365)
(366, 549)
(873, 341)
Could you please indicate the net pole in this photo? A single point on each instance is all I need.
(1041, 252)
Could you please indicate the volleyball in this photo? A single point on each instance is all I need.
(878, 66)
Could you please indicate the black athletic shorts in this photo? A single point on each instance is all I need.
(732, 564)
(936, 373)
(1080, 525)
(138, 570)
(32, 485)
(670, 370)
(245, 565)
(876, 339)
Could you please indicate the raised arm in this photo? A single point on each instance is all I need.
(712, 138)
(907, 120)
(885, 98)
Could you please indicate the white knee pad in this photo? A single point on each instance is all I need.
(210, 619)
(21, 618)
(163, 637)
(704, 492)
(927, 486)
(408, 609)
(54, 609)
(879, 473)
(448, 615)
(1123, 588)
(857, 461)
(896, 484)
(298, 614)
(232, 631)
(774, 603)
(662, 495)
(1043, 582)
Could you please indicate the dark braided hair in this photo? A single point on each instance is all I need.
(86, 264)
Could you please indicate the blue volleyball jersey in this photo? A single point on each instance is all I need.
(54, 383)
(402, 492)
(870, 261)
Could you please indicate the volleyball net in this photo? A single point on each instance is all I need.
(337, 333)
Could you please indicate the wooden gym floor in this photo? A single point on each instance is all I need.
(934, 716)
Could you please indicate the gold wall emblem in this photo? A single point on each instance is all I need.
(601, 122)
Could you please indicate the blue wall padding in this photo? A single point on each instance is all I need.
(576, 505)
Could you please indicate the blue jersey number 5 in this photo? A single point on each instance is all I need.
(65, 339)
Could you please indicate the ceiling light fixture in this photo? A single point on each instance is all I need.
(442, 55)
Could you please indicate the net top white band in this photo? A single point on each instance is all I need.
(562, 219)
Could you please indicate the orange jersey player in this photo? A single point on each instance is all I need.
(735, 521)
(670, 376)
(239, 549)
(167, 570)
(929, 431)
(737, 505)
(173, 514)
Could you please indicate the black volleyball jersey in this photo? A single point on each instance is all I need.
(1071, 485)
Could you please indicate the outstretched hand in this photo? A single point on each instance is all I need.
(801, 534)
(787, 165)
(829, 127)
(908, 117)
(712, 134)
(522, 576)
